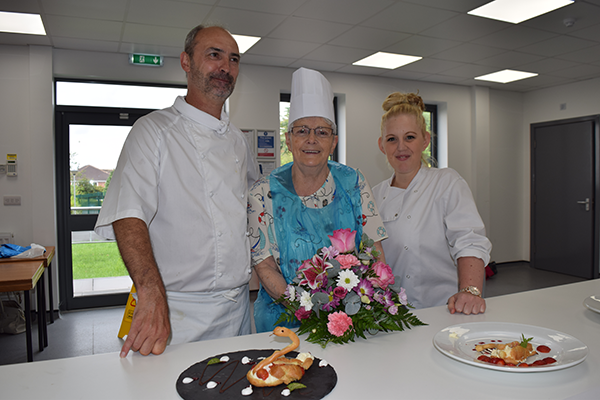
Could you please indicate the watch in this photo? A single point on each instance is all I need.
(471, 289)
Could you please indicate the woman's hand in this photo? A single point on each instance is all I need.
(466, 303)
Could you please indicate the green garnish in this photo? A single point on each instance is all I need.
(525, 341)
(213, 361)
(295, 385)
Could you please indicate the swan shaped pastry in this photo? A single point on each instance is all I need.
(277, 369)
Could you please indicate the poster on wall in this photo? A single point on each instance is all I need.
(251, 138)
(265, 143)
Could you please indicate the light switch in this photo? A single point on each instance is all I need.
(12, 200)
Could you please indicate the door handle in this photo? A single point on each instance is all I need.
(586, 202)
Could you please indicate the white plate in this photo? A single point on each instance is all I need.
(593, 303)
(458, 342)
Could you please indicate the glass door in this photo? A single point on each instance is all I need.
(89, 141)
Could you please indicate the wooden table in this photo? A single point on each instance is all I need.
(403, 365)
(23, 276)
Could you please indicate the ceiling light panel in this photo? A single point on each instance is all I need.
(386, 60)
(517, 11)
(506, 76)
(30, 24)
(245, 42)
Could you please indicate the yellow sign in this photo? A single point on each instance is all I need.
(128, 315)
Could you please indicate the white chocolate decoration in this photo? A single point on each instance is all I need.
(285, 392)
(246, 360)
(187, 380)
(323, 363)
(247, 391)
(211, 385)
(224, 359)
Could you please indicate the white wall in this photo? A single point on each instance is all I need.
(487, 139)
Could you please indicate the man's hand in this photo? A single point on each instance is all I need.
(466, 303)
(150, 327)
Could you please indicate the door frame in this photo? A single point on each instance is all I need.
(595, 119)
(66, 223)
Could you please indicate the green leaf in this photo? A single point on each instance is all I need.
(213, 361)
(525, 341)
(295, 385)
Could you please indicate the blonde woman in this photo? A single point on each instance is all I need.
(436, 238)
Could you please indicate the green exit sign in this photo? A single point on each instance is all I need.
(146, 59)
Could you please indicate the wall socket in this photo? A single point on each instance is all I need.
(6, 237)
(12, 200)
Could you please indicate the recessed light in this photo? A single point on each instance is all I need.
(245, 42)
(386, 60)
(30, 24)
(516, 11)
(505, 76)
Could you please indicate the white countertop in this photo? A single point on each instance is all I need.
(402, 365)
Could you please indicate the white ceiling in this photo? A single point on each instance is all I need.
(329, 35)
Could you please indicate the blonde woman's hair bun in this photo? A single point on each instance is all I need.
(397, 98)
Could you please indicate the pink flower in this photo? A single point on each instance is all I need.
(340, 292)
(302, 313)
(384, 275)
(312, 272)
(338, 324)
(343, 240)
(393, 309)
(402, 297)
(347, 260)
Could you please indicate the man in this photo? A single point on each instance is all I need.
(177, 207)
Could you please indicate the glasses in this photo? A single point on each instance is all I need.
(321, 132)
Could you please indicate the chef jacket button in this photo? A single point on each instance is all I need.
(203, 156)
(210, 194)
(237, 160)
(407, 276)
(405, 247)
(242, 196)
(220, 274)
(416, 191)
(249, 270)
(219, 234)
(408, 217)
(247, 233)
(395, 215)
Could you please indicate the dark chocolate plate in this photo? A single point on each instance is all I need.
(319, 381)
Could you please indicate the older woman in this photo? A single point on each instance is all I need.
(292, 211)
(437, 241)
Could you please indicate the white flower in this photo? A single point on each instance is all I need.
(306, 301)
(347, 279)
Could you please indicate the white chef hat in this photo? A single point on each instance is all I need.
(312, 96)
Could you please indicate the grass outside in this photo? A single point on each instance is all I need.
(97, 260)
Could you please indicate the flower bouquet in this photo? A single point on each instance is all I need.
(341, 292)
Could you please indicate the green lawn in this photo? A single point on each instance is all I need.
(97, 260)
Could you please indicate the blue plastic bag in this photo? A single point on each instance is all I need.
(9, 250)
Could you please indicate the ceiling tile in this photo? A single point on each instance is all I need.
(244, 22)
(353, 12)
(584, 15)
(589, 33)
(410, 18)
(266, 60)
(581, 71)
(157, 35)
(465, 28)
(317, 65)
(281, 48)
(368, 38)
(421, 46)
(547, 65)
(587, 55)
(114, 10)
(401, 73)
(309, 30)
(340, 54)
(285, 7)
(165, 51)
(557, 46)
(510, 59)
(24, 40)
(514, 37)
(455, 5)
(468, 71)
(431, 66)
(468, 52)
(84, 28)
(443, 79)
(85, 44)
(167, 13)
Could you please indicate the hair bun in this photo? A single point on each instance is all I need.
(397, 98)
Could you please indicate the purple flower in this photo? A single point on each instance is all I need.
(365, 288)
(333, 302)
(402, 297)
(393, 309)
(340, 292)
(329, 252)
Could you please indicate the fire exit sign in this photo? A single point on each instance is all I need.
(146, 59)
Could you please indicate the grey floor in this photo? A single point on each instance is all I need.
(80, 333)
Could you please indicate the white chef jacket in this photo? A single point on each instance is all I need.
(430, 224)
(186, 174)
